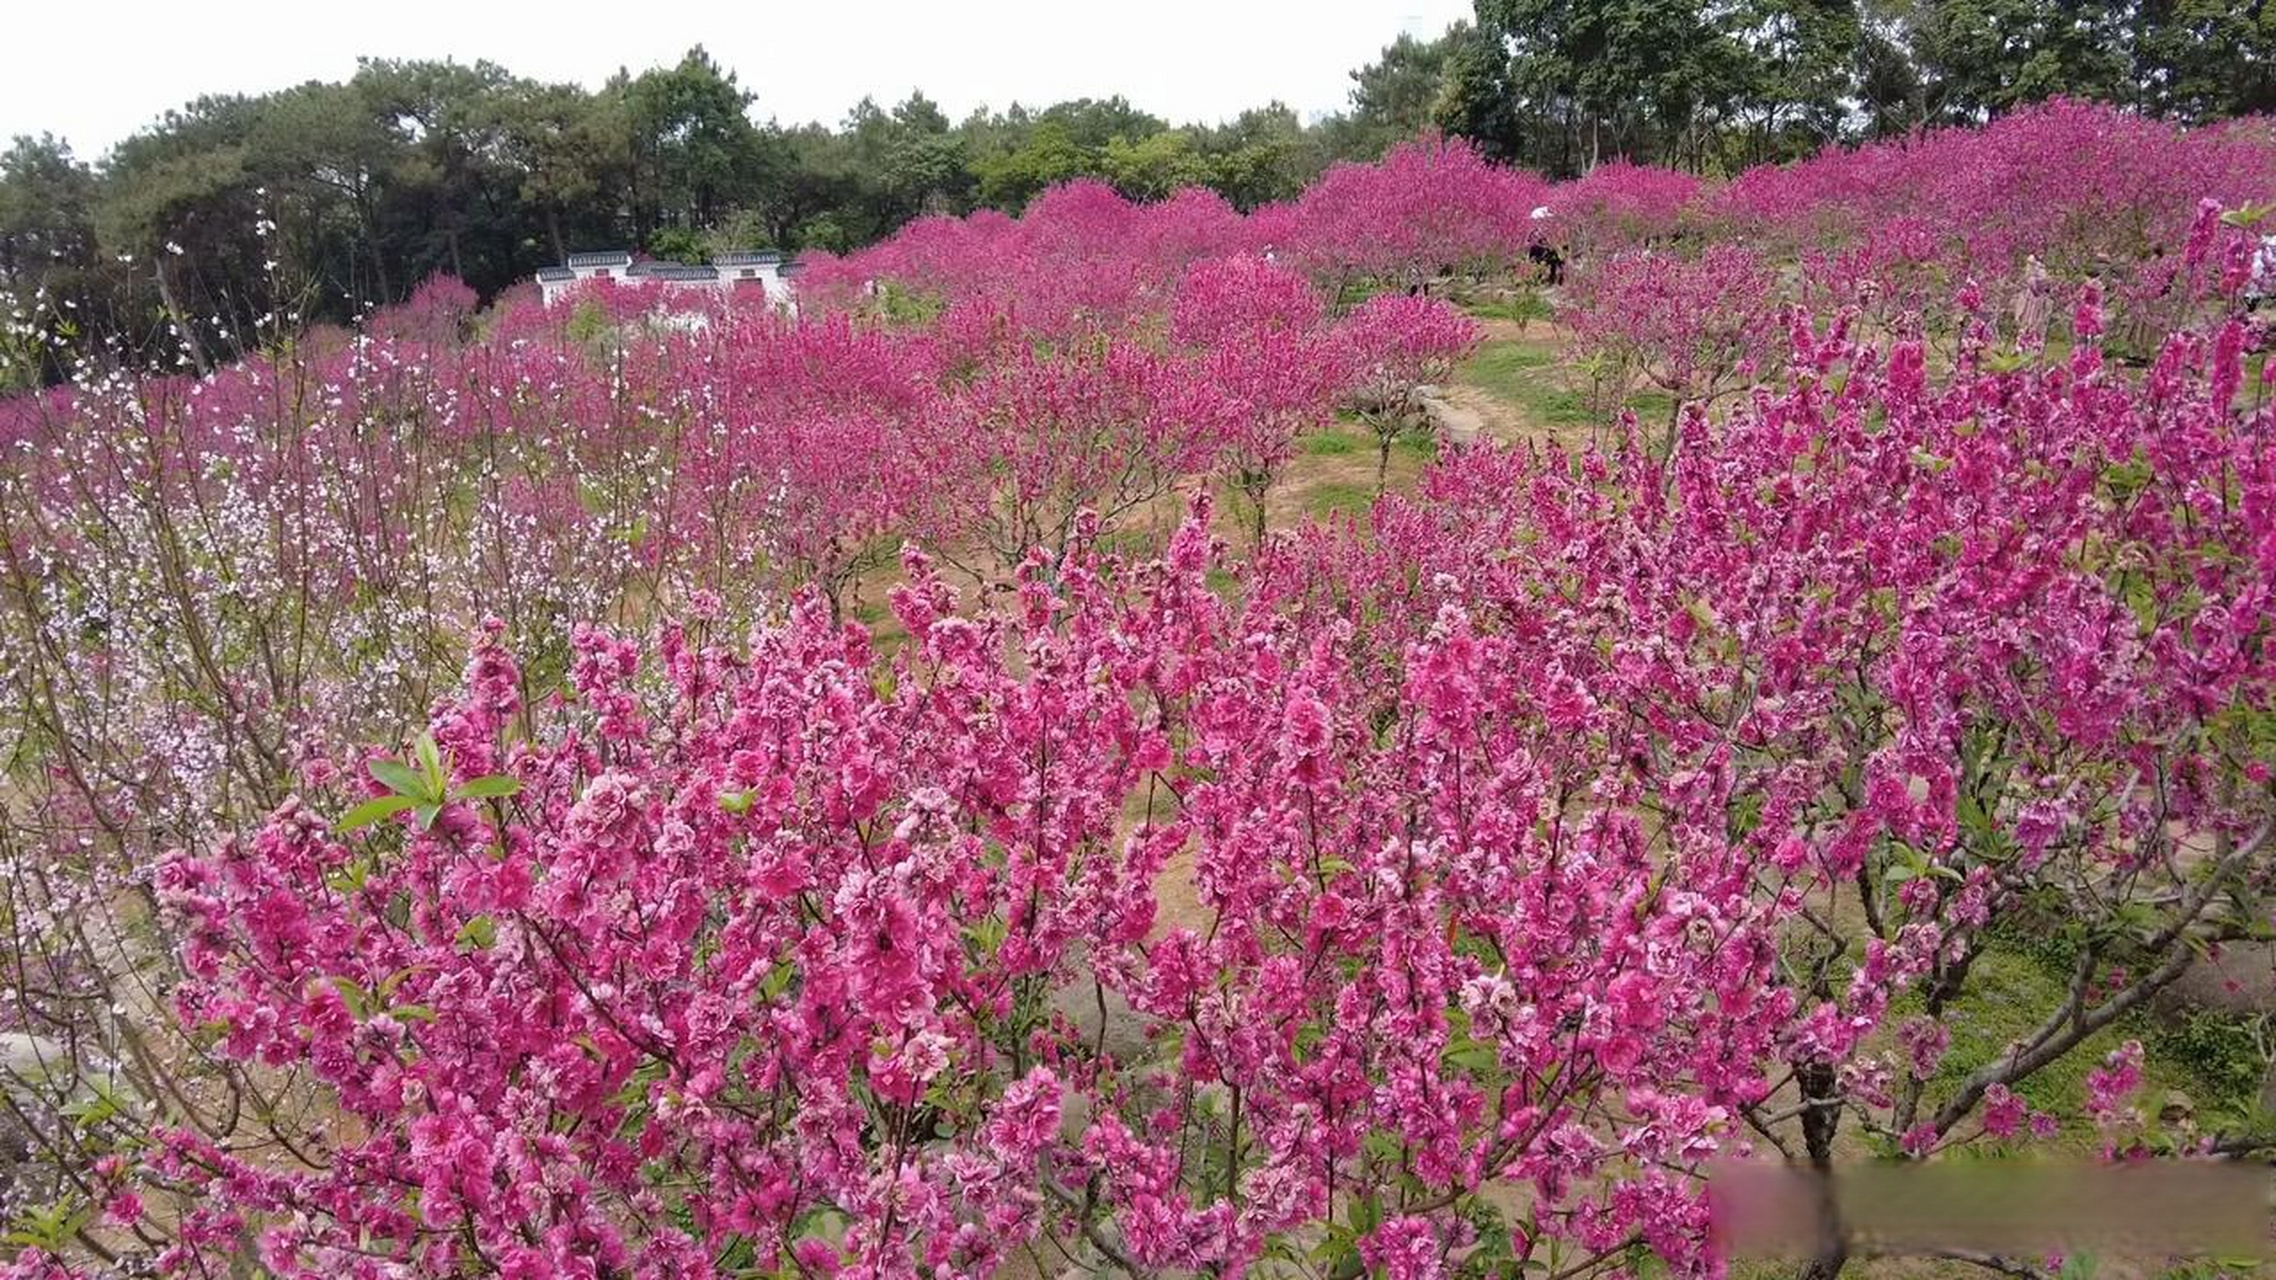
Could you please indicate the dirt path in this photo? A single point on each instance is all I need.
(1497, 419)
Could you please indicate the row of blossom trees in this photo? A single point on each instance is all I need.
(2026, 209)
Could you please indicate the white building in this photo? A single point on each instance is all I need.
(744, 269)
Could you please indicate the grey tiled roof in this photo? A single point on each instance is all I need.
(671, 271)
(555, 273)
(604, 258)
(746, 258)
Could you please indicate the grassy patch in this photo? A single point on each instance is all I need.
(1421, 446)
(1652, 406)
(1504, 367)
(2207, 1055)
(1523, 310)
(1337, 498)
(2216, 1057)
(1525, 374)
(885, 632)
(1416, 446)
(2009, 993)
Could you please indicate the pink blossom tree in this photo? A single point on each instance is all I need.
(1397, 344)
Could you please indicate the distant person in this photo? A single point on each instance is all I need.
(2260, 284)
(1542, 253)
(2034, 305)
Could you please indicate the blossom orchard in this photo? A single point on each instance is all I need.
(779, 952)
(1891, 228)
(212, 581)
(1434, 896)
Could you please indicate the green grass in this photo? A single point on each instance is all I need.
(2009, 994)
(2207, 1055)
(1503, 367)
(1652, 406)
(1340, 499)
(1420, 446)
(1524, 310)
(2219, 1055)
(1528, 375)
(1129, 543)
(1524, 374)
(885, 633)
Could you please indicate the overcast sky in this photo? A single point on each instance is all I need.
(95, 71)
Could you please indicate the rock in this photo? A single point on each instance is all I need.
(1125, 1040)
(2177, 1109)
(2242, 980)
(1454, 423)
(30, 1057)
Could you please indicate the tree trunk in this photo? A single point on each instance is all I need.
(175, 313)
(385, 294)
(1821, 1119)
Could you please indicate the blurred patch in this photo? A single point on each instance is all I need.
(2147, 1208)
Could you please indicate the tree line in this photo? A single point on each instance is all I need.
(1720, 85)
(320, 201)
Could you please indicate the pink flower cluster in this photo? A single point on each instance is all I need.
(1443, 867)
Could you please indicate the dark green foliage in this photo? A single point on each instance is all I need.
(2221, 1052)
(1561, 84)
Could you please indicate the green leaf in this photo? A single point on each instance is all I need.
(988, 934)
(496, 785)
(88, 1113)
(777, 981)
(2248, 214)
(1384, 1146)
(1472, 1057)
(1651, 898)
(2128, 478)
(413, 1012)
(2141, 597)
(1970, 812)
(47, 1228)
(479, 932)
(431, 760)
(399, 778)
(371, 811)
(355, 997)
